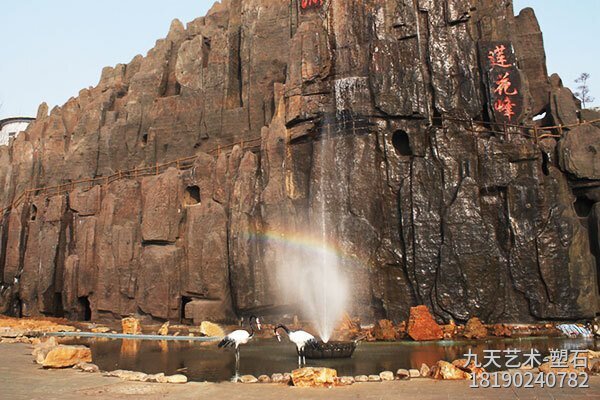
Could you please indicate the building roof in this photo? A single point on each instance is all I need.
(11, 120)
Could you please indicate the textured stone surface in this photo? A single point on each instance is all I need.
(501, 330)
(164, 329)
(562, 103)
(133, 376)
(469, 224)
(87, 367)
(248, 379)
(41, 350)
(281, 378)
(424, 370)
(469, 367)
(178, 378)
(131, 326)
(579, 150)
(386, 376)
(422, 326)
(403, 374)
(211, 329)
(314, 377)
(67, 356)
(474, 329)
(450, 330)
(346, 381)
(384, 330)
(445, 370)
(161, 207)
(158, 287)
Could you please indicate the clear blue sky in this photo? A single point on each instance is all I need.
(570, 30)
(52, 49)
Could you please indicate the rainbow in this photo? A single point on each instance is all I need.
(304, 242)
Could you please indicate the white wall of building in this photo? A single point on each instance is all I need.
(11, 129)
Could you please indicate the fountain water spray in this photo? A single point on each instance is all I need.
(311, 271)
(311, 278)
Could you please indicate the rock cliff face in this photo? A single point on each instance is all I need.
(363, 106)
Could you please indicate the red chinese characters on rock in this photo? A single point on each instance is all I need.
(503, 80)
(311, 4)
(497, 57)
(503, 88)
(506, 107)
(503, 85)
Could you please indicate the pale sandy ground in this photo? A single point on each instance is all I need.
(20, 378)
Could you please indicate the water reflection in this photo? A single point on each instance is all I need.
(129, 350)
(204, 362)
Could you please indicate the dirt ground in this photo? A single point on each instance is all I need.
(20, 378)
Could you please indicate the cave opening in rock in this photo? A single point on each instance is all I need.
(206, 45)
(17, 308)
(85, 308)
(192, 195)
(184, 301)
(583, 206)
(545, 163)
(401, 143)
(58, 306)
(33, 213)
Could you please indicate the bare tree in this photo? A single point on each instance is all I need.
(584, 90)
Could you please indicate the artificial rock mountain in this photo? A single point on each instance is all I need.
(441, 212)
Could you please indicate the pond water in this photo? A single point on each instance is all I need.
(205, 362)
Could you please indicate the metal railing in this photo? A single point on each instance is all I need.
(532, 132)
(152, 170)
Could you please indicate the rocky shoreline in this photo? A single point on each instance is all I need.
(49, 353)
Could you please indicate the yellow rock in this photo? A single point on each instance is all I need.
(248, 379)
(211, 329)
(346, 381)
(41, 350)
(164, 330)
(131, 326)
(387, 376)
(593, 354)
(172, 379)
(67, 356)
(25, 325)
(445, 370)
(314, 377)
(130, 376)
